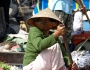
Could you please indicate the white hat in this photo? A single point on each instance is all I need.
(47, 13)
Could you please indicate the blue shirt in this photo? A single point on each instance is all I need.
(64, 5)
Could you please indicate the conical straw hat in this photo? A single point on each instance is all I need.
(47, 13)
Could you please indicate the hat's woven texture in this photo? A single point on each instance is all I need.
(44, 13)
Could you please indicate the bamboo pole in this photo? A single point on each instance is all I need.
(81, 4)
(67, 49)
(18, 1)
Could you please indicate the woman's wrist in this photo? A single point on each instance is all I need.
(56, 34)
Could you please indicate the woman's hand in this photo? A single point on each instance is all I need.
(83, 9)
(60, 31)
(73, 66)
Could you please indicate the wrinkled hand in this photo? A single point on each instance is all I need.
(83, 8)
(60, 31)
(73, 66)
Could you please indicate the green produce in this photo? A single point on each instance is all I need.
(4, 66)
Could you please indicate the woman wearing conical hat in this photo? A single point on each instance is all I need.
(44, 51)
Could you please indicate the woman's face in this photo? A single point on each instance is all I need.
(46, 24)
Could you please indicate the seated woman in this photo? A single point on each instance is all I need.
(44, 51)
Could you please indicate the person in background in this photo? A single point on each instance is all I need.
(78, 22)
(44, 51)
(33, 3)
(5, 4)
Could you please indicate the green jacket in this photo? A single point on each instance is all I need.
(37, 41)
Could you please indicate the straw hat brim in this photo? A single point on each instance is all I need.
(46, 13)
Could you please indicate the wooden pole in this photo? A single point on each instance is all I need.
(81, 4)
(67, 48)
(27, 29)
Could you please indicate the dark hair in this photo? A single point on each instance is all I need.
(51, 19)
(35, 19)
